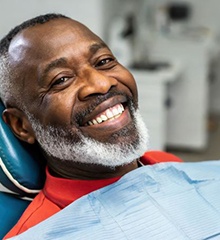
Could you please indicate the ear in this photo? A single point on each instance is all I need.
(19, 124)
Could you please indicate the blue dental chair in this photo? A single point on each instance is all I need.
(21, 172)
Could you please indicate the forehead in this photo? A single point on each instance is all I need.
(45, 39)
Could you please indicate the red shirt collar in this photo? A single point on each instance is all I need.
(63, 191)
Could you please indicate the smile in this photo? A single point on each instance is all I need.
(109, 114)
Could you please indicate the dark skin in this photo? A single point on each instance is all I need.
(63, 68)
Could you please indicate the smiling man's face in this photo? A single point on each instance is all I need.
(72, 82)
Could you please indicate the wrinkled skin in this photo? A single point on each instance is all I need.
(73, 77)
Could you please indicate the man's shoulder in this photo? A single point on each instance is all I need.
(152, 157)
(39, 209)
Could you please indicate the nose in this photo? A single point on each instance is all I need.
(95, 82)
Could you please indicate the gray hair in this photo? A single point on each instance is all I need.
(7, 76)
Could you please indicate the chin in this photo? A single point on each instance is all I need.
(119, 148)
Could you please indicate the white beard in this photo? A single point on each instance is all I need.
(88, 150)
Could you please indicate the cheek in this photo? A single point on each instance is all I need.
(130, 82)
(56, 110)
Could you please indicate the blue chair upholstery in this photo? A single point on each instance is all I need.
(11, 208)
(21, 171)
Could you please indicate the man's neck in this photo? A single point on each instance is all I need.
(72, 170)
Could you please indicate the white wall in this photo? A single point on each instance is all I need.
(89, 12)
(206, 13)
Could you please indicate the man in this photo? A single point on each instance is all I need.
(64, 90)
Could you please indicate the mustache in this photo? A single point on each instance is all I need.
(79, 116)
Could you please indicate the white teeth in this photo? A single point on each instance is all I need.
(115, 111)
(108, 114)
(104, 118)
(90, 123)
(98, 119)
(120, 109)
(94, 121)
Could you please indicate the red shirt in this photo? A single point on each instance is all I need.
(59, 192)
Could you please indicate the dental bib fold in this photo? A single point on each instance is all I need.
(161, 201)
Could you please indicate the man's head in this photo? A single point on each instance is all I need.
(7, 73)
(64, 89)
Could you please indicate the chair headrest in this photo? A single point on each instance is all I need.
(21, 165)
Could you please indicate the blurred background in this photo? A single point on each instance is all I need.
(173, 50)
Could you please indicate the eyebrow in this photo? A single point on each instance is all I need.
(96, 46)
(60, 62)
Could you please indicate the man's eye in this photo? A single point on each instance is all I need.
(104, 61)
(60, 81)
